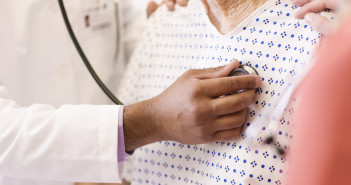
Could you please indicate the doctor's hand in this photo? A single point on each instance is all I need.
(193, 109)
(152, 6)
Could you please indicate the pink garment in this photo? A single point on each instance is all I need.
(321, 153)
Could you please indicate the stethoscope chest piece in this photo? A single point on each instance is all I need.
(243, 70)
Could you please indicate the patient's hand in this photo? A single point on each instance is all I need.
(193, 109)
(152, 6)
(310, 8)
(308, 11)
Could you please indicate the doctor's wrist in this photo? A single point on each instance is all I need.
(140, 126)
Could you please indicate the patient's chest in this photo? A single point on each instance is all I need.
(271, 41)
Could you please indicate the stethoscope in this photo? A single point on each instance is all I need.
(241, 70)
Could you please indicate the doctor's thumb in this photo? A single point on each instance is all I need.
(220, 71)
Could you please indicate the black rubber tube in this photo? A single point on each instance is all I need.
(91, 70)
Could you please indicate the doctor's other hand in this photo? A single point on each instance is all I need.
(309, 10)
(193, 109)
(152, 5)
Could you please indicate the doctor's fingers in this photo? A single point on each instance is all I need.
(226, 85)
(230, 121)
(233, 103)
(215, 72)
(226, 134)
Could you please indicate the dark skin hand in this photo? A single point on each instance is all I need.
(193, 109)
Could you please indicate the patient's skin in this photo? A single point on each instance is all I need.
(226, 15)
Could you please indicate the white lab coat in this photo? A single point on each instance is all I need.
(49, 128)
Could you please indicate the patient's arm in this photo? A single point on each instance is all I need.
(322, 140)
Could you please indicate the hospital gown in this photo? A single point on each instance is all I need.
(271, 41)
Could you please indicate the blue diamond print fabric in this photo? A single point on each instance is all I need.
(270, 40)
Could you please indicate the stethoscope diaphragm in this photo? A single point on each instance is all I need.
(240, 71)
(243, 70)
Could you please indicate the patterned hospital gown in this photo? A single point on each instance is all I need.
(270, 40)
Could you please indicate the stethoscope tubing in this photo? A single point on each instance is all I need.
(91, 70)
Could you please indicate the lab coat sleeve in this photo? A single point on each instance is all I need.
(71, 143)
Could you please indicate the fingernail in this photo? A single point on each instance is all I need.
(309, 17)
(258, 81)
(235, 60)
